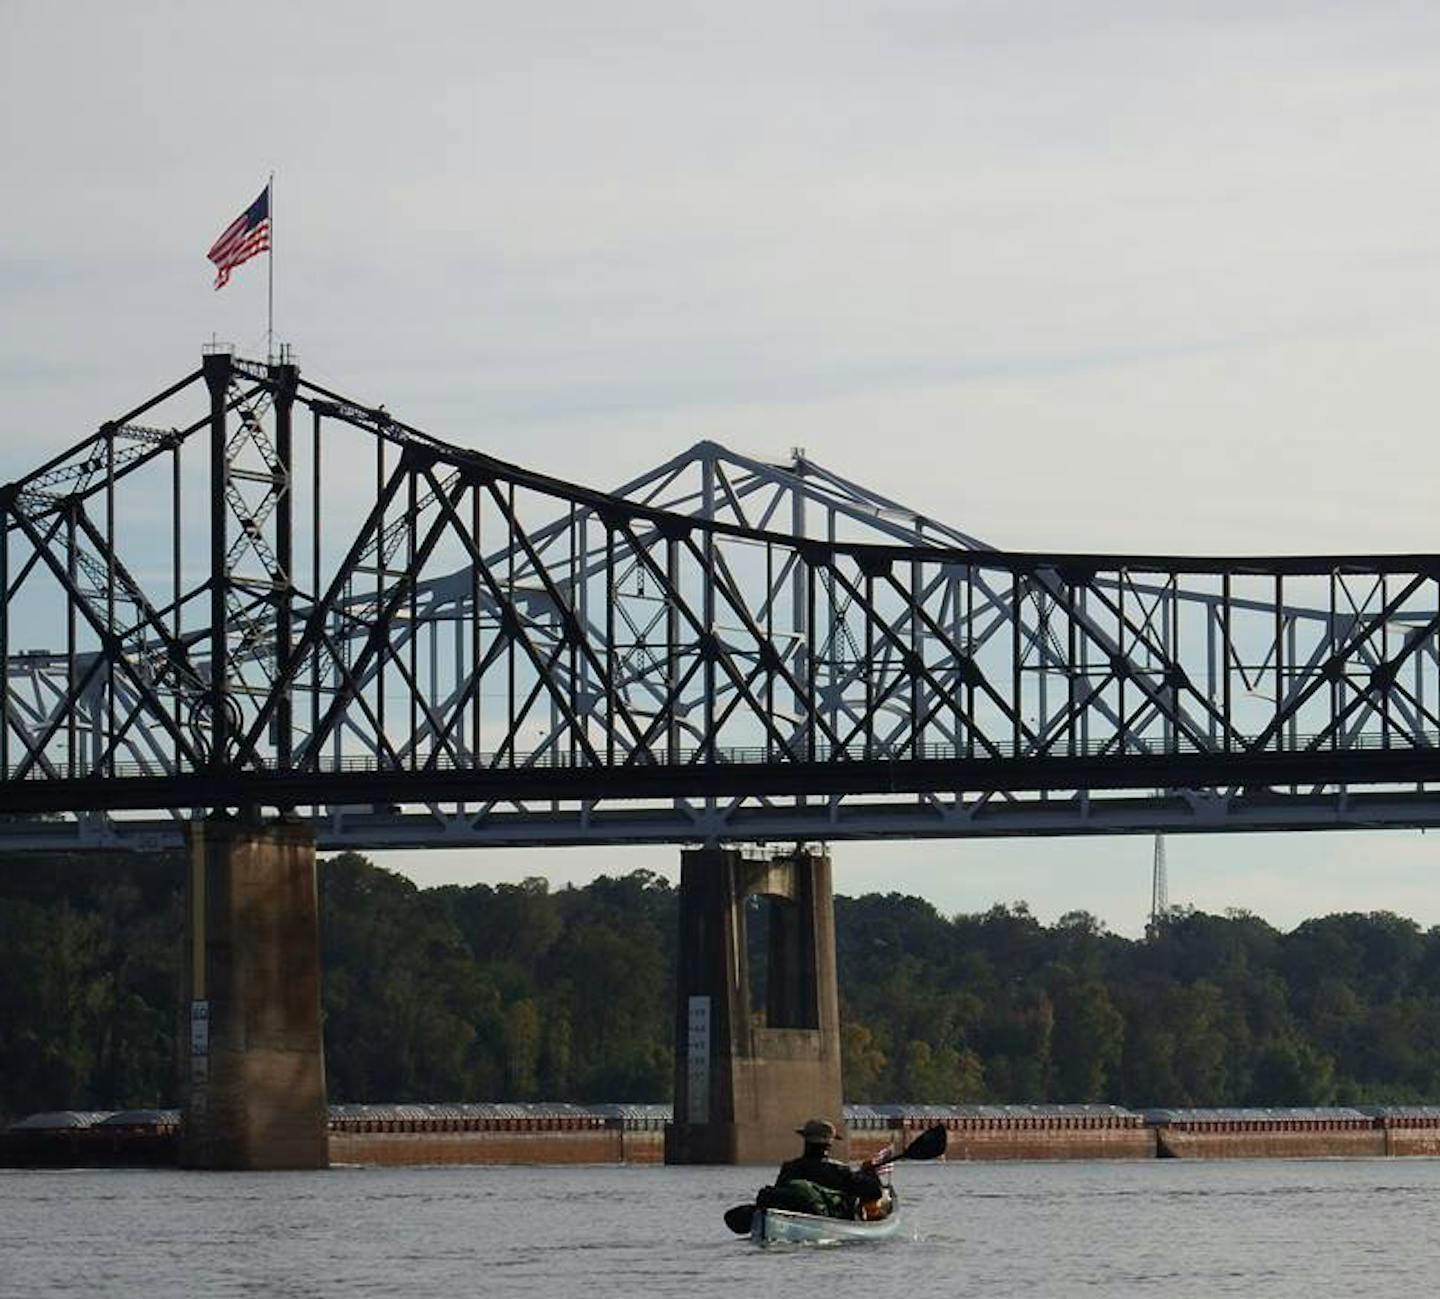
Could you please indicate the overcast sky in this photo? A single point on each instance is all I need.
(1121, 275)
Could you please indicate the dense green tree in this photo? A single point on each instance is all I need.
(519, 991)
(1086, 1039)
(1200, 1073)
(1289, 1071)
(864, 1066)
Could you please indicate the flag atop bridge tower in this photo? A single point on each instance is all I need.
(248, 235)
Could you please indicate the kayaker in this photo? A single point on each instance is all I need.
(859, 1185)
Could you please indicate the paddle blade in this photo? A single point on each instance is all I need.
(739, 1218)
(930, 1144)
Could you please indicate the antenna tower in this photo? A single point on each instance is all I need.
(1159, 889)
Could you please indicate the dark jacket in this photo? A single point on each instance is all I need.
(815, 1167)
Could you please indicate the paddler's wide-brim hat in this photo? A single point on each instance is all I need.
(817, 1130)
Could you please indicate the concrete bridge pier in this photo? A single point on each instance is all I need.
(745, 1080)
(253, 1065)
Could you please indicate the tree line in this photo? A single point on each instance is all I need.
(521, 992)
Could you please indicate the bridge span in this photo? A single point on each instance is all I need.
(249, 591)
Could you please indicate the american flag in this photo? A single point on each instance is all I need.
(244, 237)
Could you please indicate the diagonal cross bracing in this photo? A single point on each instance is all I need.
(250, 591)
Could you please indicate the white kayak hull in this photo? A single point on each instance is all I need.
(781, 1226)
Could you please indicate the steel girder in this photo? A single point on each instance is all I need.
(254, 592)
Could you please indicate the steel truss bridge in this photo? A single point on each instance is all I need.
(250, 592)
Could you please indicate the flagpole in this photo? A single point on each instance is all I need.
(270, 300)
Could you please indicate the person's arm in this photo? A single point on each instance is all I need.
(866, 1183)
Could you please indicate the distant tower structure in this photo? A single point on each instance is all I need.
(1159, 888)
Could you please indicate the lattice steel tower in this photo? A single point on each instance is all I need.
(1159, 890)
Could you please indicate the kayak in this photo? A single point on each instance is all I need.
(777, 1226)
(767, 1225)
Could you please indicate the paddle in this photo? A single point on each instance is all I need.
(739, 1218)
(930, 1144)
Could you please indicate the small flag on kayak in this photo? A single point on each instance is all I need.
(244, 238)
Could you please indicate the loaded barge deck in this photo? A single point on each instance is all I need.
(634, 1134)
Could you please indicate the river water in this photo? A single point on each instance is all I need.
(1173, 1228)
